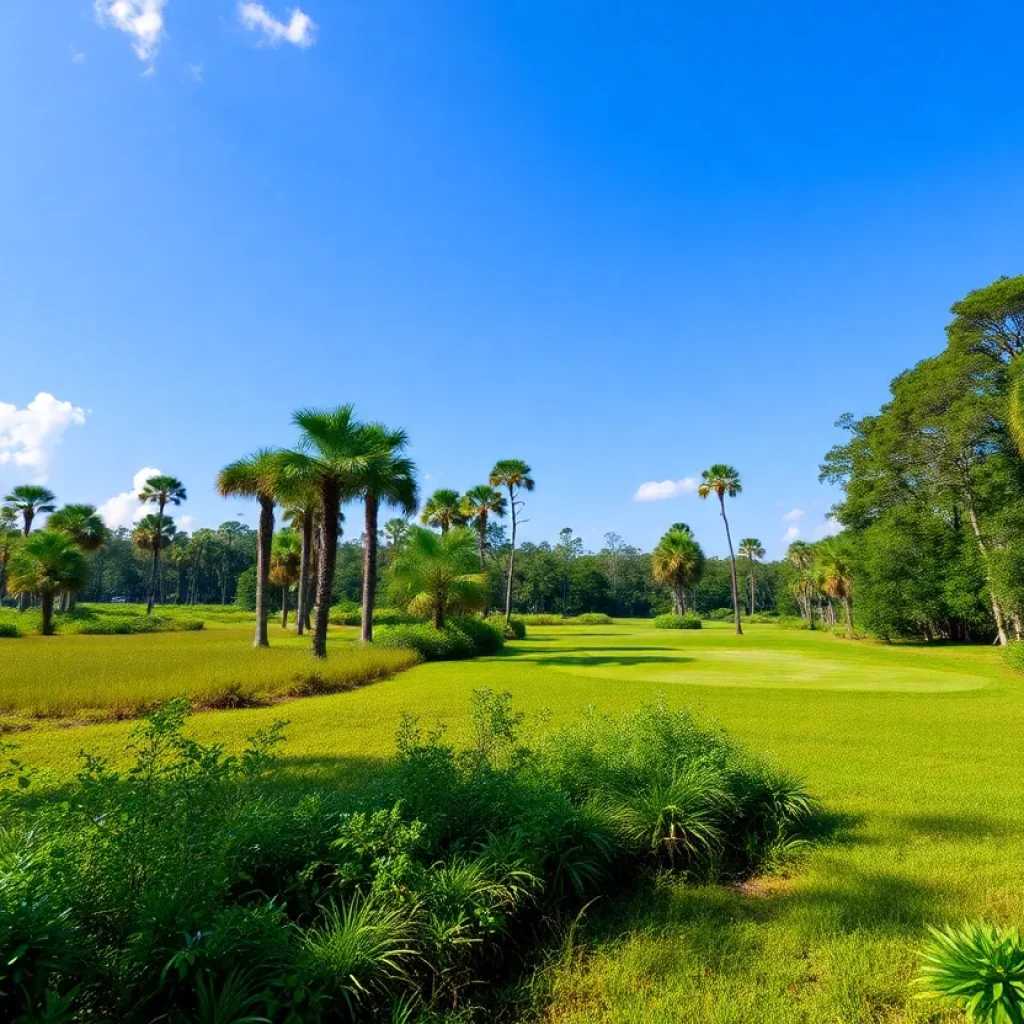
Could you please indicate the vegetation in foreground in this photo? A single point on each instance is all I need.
(193, 886)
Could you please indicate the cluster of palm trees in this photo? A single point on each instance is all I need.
(824, 574)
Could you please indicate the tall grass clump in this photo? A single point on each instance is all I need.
(196, 885)
(687, 621)
(464, 637)
(586, 619)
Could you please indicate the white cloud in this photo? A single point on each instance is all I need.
(77, 57)
(300, 30)
(655, 490)
(125, 508)
(141, 20)
(829, 528)
(186, 522)
(29, 436)
(792, 534)
(194, 71)
(793, 515)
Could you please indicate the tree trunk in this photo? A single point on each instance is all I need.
(263, 544)
(439, 617)
(732, 570)
(848, 601)
(369, 568)
(301, 613)
(284, 606)
(27, 516)
(997, 611)
(511, 556)
(752, 586)
(330, 503)
(481, 541)
(47, 602)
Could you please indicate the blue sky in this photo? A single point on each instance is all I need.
(620, 241)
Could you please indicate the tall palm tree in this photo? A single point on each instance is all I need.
(160, 490)
(752, 549)
(256, 476)
(678, 562)
(395, 531)
(332, 456)
(154, 533)
(800, 555)
(300, 514)
(722, 481)
(228, 533)
(29, 500)
(443, 510)
(285, 566)
(9, 536)
(180, 555)
(389, 477)
(479, 504)
(514, 475)
(834, 568)
(84, 525)
(437, 575)
(48, 564)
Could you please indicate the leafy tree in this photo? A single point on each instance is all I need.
(437, 575)
(678, 563)
(800, 555)
(257, 476)
(30, 500)
(569, 549)
(8, 539)
(990, 320)
(479, 504)
(753, 550)
(722, 480)
(285, 566)
(152, 533)
(82, 524)
(444, 509)
(160, 490)
(48, 564)
(395, 531)
(229, 533)
(389, 476)
(514, 476)
(834, 568)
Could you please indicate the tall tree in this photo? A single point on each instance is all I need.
(48, 564)
(677, 562)
(800, 555)
(753, 550)
(332, 456)
(389, 477)
(514, 476)
(160, 490)
(300, 514)
(436, 575)
(395, 531)
(29, 500)
(84, 525)
(722, 481)
(834, 568)
(569, 549)
(8, 539)
(257, 476)
(479, 504)
(285, 566)
(229, 533)
(444, 510)
(153, 533)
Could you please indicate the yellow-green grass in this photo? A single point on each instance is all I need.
(917, 749)
(118, 676)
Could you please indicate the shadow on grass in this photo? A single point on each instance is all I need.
(954, 826)
(595, 661)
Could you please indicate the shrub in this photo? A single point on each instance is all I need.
(1013, 655)
(9, 631)
(979, 967)
(536, 619)
(792, 622)
(461, 638)
(341, 615)
(586, 619)
(686, 621)
(514, 629)
(719, 615)
(762, 618)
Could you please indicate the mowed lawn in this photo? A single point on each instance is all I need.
(916, 751)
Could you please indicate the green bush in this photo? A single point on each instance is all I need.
(1013, 655)
(514, 629)
(99, 620)
(461, 638)
(686, 621)
(719, 615)
(586, 619)
(763, 618)
(9, 631)
(342, 615)
(792, 622)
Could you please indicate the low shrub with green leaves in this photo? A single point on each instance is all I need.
(687, 621)
(719, 615)
(100, 620)
(1013, 655)
(792, 622)
(586, 619)
(193, 885)
(347, 616)
(9, 631)
(464, 637)
(979, 967)
(514, 629)
(762, 619)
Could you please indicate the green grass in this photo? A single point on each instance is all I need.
(916, 749)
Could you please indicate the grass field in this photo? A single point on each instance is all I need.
(916, 749)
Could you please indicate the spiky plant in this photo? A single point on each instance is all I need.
(723, 481)
(443, 509)
(48, 564)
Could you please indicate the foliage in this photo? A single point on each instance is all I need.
(979, 967)
(345, 615)
(460, 637)
(687, 621)
(9, 630)
(1013, 655)
(678, 563)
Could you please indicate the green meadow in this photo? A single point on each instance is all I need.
(913, 750)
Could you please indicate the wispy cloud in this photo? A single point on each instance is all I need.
(141, 20)
(300, 30)
(194, 71)
(29, 436)
(792, 534)
(186, 522)
(829, 528)
(794, 515)
(660, 490)
(77, 57)
(124, 509)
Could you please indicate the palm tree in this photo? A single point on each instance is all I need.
(160, 490)
(722, 480)
(256, 476)
(479, 504)
(84, 526)
(180, 555)
(800, 555)
(513, 474)
(153, 533)
(9, 536)
(436, 574)
(389, 477)
(752, 548)
(228, 532)
(443, 510)
(678, 563)
(834, 566)
(286, 566)
(300, 514)
(332, 457)
(395, 531)
(48, 564)
(29, 500)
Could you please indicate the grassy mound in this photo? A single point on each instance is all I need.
(461, 638)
